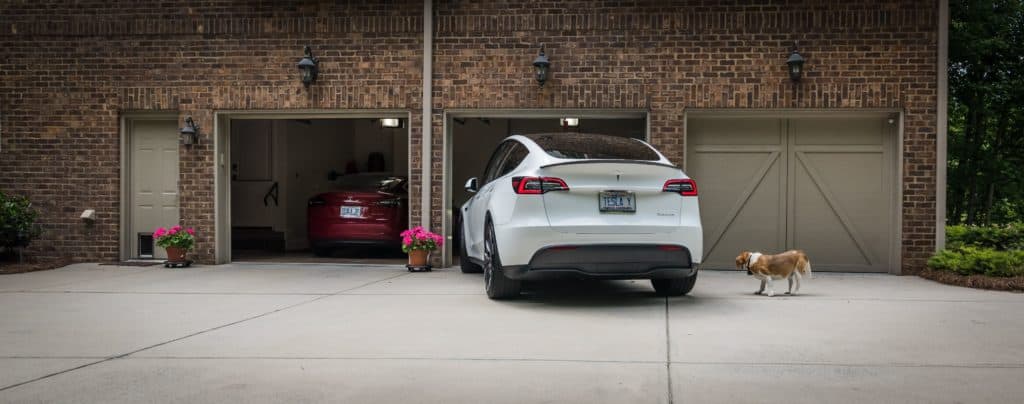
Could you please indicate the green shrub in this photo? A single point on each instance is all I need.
(980, 261)
(1007, 237)
(17, 222)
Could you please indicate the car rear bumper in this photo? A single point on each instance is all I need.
(521, 245)
(606, 261)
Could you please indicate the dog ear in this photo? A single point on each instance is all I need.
(742, 259)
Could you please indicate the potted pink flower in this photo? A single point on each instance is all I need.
(176, 240)
(418, 243)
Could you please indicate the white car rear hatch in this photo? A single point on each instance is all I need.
(610, 186)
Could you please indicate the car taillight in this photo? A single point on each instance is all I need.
(389, 203)
(537, 185)
(684, 187)
(317, 201)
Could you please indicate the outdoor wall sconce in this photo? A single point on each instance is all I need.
(309, 66)
(541, 64)
(189, 133)
(796, 65)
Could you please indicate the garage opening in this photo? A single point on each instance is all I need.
(472, 140)
(318, 190)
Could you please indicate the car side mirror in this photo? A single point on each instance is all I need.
(471, 185)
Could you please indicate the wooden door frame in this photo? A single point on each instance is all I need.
(127, 122)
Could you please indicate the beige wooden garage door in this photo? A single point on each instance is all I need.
(823, 185)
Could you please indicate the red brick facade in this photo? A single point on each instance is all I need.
(69, 71)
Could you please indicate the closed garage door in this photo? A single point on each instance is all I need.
(823, 185)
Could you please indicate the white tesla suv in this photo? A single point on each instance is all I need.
(583, 205)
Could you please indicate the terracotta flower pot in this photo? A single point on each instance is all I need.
(418, 258)
(176, 254)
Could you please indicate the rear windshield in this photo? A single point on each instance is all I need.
(590, 146)
(370, 182)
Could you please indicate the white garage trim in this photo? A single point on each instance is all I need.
(222, 154)
(941, 126)
(446, 154)
(896, 117)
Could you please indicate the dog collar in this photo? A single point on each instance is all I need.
(753, 258)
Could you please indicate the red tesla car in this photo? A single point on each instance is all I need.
(368, 209)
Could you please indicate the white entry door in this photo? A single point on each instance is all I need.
(154, 183)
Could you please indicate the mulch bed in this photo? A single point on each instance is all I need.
(12, 266)
(1012, 284)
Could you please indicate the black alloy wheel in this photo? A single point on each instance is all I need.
(497, 285)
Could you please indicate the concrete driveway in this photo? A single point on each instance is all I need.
(331, 333)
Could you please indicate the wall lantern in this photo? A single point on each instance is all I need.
(796, 65)
(391, 123)
(189, 133)
(309, 66)
(541, 64)
(570, 122)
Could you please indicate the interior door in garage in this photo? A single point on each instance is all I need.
(823, 184)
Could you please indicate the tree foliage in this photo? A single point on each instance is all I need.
(986, 112)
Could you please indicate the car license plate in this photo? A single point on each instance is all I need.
(617, 201)
(351, 211)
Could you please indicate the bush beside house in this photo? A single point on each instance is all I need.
(18, 229)
(17, 223)
(990, 257)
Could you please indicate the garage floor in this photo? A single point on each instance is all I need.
(341, 257)
(328, 333)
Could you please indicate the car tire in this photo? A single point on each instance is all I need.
(467, 266)
(674, 287)
(497, 285)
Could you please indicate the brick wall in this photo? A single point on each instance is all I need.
(69, 70)
(668, 57)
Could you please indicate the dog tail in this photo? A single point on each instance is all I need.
(804, 266)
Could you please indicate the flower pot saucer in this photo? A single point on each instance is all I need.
(177, 264)
(419, 268)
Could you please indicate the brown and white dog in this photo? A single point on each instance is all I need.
(788, 265)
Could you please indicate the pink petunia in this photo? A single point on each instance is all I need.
(191, 231)
(176, 228)
(160, 231)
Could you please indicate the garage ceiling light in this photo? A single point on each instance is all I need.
(569, 122)
(391, 122)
